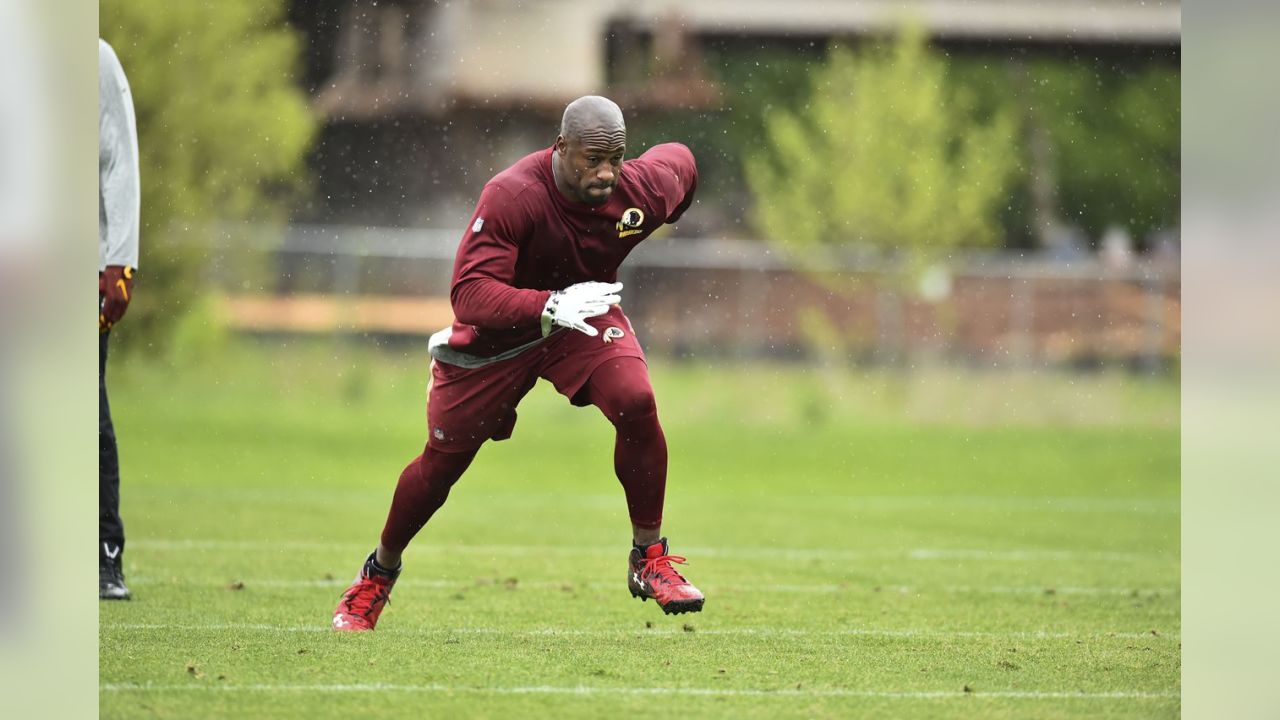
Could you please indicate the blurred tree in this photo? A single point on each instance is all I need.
(757, 78)
(886, 153)
(222, 132)
(1116, 140)
(1100, 140)
(1107, 124)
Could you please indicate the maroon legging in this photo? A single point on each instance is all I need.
(621, 389)
(423, 487)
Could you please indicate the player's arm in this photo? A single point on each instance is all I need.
(484, 270)
(119, 187)
(675, 174)
(482, 292)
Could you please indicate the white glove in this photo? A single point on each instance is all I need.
(572, 306)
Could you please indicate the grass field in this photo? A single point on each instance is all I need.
(870, 546)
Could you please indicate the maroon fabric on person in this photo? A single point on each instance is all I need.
(620, 387)
(423, 487)
(614, 379)
(525, 239)
(467, 407)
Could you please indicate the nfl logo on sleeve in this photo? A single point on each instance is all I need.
(475, 226)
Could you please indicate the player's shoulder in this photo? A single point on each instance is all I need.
(111, 77)
(662, 170)
(108, 61)
(521, 178)
(657, 165)
(670, 153)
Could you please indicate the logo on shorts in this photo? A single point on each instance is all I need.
(438, 433)
(632, 219)
(613, 333)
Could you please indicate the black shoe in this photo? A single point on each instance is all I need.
(111, 578)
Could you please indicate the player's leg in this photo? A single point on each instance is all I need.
(422, 489)
(620, 387)
(465, 408)
(110, 528)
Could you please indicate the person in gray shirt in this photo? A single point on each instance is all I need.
(119, 205)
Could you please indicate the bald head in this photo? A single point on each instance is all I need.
(588, 113)
(588, 157)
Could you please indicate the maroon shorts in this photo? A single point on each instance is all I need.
(466, 407)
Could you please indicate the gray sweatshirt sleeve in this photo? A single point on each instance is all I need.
(119, 192)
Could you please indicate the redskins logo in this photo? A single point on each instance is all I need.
(613, 333)
(631, 222)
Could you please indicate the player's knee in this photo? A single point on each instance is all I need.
(633, 403)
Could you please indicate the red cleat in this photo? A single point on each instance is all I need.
(362, 603)
(651, 576)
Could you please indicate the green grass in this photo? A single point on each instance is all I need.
(869, 545)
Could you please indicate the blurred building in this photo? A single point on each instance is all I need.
(425, 100)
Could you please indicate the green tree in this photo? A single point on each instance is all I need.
(1109, 140)
(886, 153)
(223, 128)
(1116, 140)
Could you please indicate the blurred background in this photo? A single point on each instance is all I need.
(884, 185)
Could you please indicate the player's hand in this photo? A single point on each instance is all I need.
(572, 306)
(116, 286)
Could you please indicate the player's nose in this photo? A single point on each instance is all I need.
(605, 175)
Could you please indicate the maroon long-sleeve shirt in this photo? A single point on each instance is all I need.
(526, 239)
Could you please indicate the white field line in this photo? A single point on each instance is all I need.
(615, 691)
(1002, 555)
(654, 632)
(568, 585)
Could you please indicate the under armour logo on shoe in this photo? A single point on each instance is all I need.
(110, 553)
(338, 622)
(636, 578)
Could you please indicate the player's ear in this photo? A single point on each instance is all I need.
(562, 145)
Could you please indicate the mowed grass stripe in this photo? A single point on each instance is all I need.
(596, 690)
(994, 555)
(657, 632)
(556, 495)
(551, 584)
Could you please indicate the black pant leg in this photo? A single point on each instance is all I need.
(110, 528)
